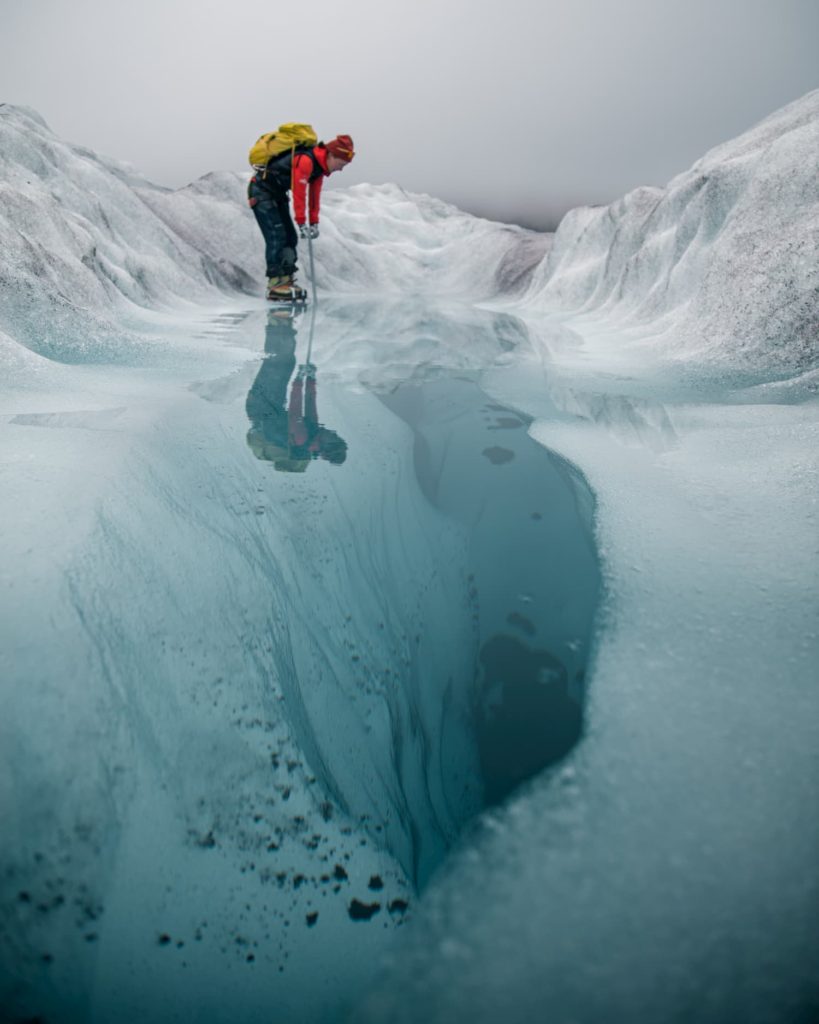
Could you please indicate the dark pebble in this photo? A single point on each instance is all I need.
(359, 911)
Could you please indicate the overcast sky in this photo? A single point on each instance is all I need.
(514, 109)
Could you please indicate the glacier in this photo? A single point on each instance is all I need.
(251, 717)
(719, 266)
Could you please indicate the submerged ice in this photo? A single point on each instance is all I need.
(458, 731)
(533, 572)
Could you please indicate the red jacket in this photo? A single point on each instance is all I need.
(302, 414)
(302, 170)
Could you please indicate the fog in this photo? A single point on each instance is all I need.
(516, 111)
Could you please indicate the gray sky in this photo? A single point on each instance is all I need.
(514, 109)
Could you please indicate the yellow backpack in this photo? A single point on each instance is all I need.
(286, 137)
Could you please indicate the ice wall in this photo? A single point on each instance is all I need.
(82, 249)
(721, 266)
(89, 245)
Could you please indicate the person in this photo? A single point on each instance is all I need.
(304, 170)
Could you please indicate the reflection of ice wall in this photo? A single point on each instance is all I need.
(722, 262)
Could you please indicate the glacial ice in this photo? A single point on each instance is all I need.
(221, 683)
(717, 269)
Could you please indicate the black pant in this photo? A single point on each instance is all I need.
(266, 403)
(272, 212)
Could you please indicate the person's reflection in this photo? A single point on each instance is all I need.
(288, 435)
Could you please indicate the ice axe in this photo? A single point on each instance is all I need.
(313, 287)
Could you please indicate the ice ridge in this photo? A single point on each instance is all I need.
(719, 266)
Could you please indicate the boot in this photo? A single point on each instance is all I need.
(285, 289)
(274, 282)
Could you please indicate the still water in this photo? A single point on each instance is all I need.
(532, 572)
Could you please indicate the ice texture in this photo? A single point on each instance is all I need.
(670, 868)
(719, 267)
(82, 250)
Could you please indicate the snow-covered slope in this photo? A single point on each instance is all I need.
(81, 248)
(721, 265)
(87, 244)
(375, 239)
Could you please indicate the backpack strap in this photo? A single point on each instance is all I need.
(281, 169)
